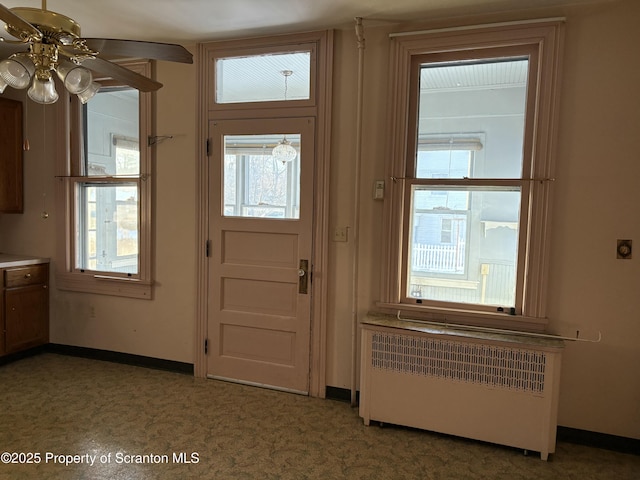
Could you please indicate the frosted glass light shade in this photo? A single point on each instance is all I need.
(88, 93)
(75, 78)
(43, 91)
(17, 70)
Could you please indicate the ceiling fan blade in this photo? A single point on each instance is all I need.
(137, 49)
(7, 49)
(121, 74)
(17, 24)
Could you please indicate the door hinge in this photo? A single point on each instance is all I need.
(207, 248)
(208, 147)
(206, 346)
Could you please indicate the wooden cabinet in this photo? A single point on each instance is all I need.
(11, 181)
(25, 308)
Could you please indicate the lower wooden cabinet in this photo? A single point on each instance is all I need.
(24, 308)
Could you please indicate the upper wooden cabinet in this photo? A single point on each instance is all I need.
(10, 156)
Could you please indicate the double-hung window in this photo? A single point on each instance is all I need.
(471, 168)
(107, 189)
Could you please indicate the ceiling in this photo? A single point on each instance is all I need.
(191, 21)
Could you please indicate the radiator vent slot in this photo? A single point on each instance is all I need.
(484, 364)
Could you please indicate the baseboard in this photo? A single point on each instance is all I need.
(599, 440)
(340, 394)
(564, 434)
(12, 357)
(125, 358)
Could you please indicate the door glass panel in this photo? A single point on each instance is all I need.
(464, 244)
(260, 78)
(257, 183)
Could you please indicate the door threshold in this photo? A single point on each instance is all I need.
(257, 384)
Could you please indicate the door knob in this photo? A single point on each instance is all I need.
(303, 281)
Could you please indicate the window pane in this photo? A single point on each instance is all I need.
(107, 228)
(259, 78)
(443, 164)
(111, 133)
(257, 184)
(464, 245)
(457, 98)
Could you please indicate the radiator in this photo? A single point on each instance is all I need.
(491, 387)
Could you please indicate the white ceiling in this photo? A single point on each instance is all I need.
(190, 21)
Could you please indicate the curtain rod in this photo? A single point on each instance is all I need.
(473, 27)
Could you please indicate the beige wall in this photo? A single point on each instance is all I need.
(163, 327)
(596, 202)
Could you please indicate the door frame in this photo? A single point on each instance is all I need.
(320, 108)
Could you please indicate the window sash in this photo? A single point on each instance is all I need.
(70, 170)
(535, 180)
(81, 245)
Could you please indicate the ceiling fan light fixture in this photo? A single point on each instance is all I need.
(88, 93)
(50, 35)
(17, 70)
(43, 90)
(75, 78)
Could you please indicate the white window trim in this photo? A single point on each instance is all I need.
(546, 36)
(68, 174)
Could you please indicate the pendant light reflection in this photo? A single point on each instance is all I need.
(284, 152)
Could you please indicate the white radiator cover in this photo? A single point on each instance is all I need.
(492, 387)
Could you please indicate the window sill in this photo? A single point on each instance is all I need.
(518, 323)
(104, 285)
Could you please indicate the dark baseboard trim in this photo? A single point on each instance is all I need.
(599, 440)
(564, 434)
(125, 358)
(12, 357)
(340, 394)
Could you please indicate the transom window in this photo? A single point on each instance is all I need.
(262, 78)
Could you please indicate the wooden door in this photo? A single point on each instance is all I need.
(260, 252)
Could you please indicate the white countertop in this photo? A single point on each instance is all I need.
(8, 260)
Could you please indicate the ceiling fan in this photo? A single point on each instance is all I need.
(55, 45)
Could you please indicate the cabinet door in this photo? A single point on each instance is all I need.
(10, 156)
(26, 317)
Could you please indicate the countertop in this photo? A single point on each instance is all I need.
(8, 260)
